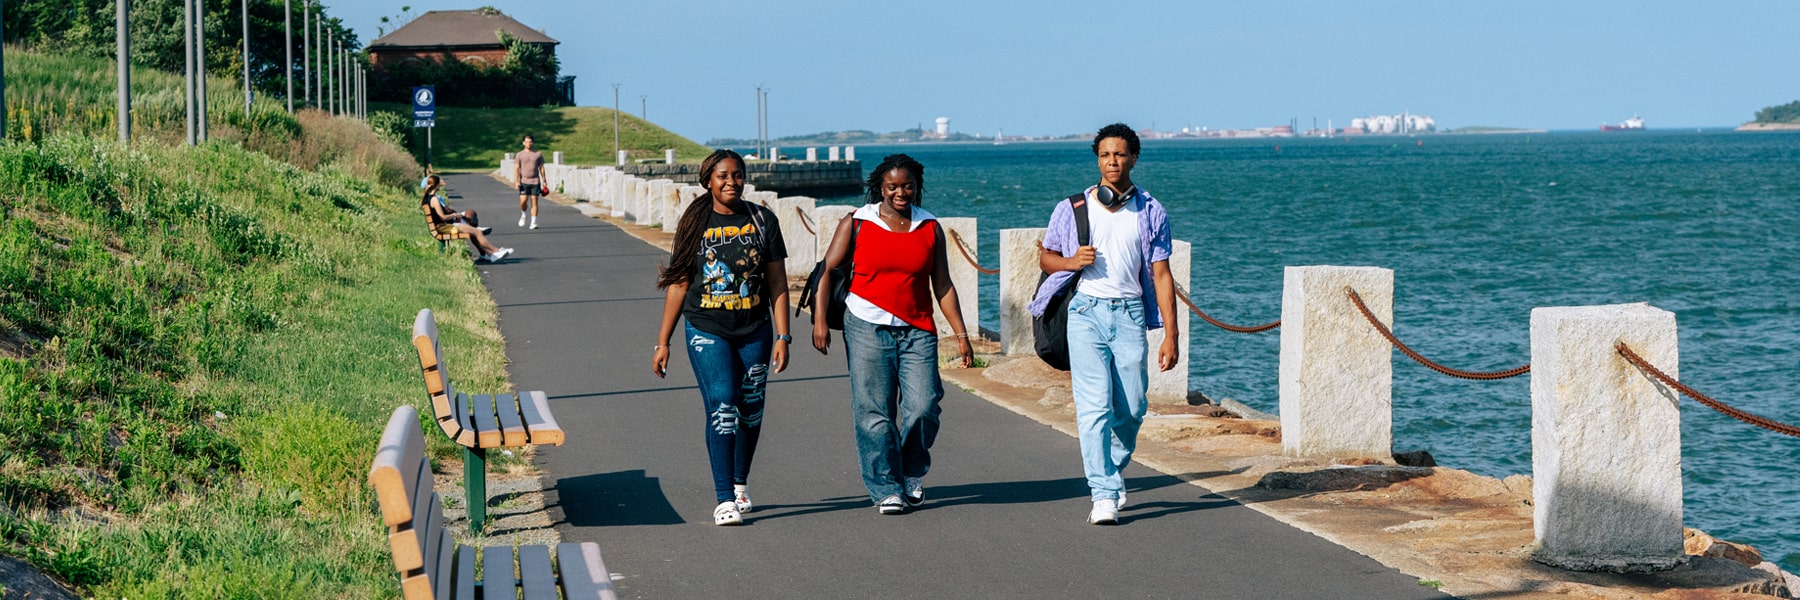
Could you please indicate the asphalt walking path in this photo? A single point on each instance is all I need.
(1006, 504)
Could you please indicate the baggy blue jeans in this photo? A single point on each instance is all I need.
(731, 375)
(1109, 371)
(894, 394)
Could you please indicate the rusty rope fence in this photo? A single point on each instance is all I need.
(1404, 349)
(1765, 423)
(968, 256)
(805, 221)
(1183, 295)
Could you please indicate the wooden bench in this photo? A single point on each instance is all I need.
(432, 566)
(481, 421)
(455, 233)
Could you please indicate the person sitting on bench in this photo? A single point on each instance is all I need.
(447, 221)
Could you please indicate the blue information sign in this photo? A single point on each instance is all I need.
(424, 101)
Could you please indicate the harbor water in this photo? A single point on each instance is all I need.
(1479, 229)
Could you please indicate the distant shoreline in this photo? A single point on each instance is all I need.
(1769, 127)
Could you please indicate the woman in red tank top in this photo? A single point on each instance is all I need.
(899, 266)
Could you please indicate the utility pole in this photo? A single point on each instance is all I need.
(759, 132)
(2, 76)
(187, 39)
(200, 62)
(616, 148)
(123, 36)
(305, 52)
(644, 108)
(246, 6)
(287, 67)
(768, 143)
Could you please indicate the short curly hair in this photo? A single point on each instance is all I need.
(1121, 131)
(904, 163)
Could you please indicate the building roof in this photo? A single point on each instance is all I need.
(459, 28)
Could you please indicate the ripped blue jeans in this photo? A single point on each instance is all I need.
(731, 374)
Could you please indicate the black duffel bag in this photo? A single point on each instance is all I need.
(840, 284)
(1051, 330)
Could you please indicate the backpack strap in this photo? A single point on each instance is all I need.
(762, 234)
(1078, 204)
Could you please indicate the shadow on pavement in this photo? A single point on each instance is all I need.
(614, 499)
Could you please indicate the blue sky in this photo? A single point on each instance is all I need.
(1056, 67)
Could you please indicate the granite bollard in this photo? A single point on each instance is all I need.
(795, 214)
(963, 275)
(1171, 386)
(826, 218)
(1605, 440)
(1019, 275)
(1336, 372)
(664, 195)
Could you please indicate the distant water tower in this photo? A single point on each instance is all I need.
(943, 124)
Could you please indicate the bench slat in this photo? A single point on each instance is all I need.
(512, 427)
(416, 587)
(445, 409)
(464, 422)
(497, 579)
(395, 471)
(404, 539)
(584, 575)
(442, 579)
(487, 427)
(464, 577)
(431, 353)
(535, 575)
(535, 407)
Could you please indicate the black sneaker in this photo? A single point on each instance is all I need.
(915, 491)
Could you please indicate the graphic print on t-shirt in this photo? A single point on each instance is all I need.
(731, 268)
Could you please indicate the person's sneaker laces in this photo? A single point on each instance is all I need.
(1106, 512)
(915, 491)
(891, 505)
(521, 219)
(727, 514)
(741, 497)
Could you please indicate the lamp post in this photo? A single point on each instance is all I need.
(616, 148)
(287, 68)
(122, 36)
(187, 38)
(246, 6)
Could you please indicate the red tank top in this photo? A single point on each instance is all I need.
(893, 271)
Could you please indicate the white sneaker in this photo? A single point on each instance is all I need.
(1121, 504)
(1106, 512)
(891, 505)
(534, 222)
(741, 497)
(521, 219)
(727, 514)
(503, 253)
(915, 491)
(485, 258)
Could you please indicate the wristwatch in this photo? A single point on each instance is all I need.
(786, 338)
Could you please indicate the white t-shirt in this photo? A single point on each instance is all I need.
(1118, 251)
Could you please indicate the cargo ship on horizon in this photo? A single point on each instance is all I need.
(1632, 124)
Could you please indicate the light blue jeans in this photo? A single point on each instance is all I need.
(894, 394)
(1109, 370)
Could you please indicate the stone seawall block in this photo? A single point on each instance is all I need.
(828, 218)
(963, 275)
(795, 214)
(1171, 386)
(1605, 439)
(1019, 274)
(1336, 373)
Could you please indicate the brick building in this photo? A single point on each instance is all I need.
(465, 35)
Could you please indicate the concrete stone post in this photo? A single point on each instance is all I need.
(640, 202)
(1019, 275)
(1605, 439)
(774, 154)
(834, 152)
(556, 157)
(796, 214)
(506, 170)
(684, 197)
(623, 156)
(1171, 386)
(669, 156)
(827, 218)
(647, 204)
(849, 152)
(1336, 373)
(962, 274)
(659, 189)
(812, 155)
(763, 199)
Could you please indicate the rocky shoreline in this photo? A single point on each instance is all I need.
(1769, 127)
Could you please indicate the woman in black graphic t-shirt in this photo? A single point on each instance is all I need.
(725, 276)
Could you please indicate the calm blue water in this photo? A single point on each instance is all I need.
(1479, 230)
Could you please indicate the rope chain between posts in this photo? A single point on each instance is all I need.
(1183, 295)
(968, 257)
(1771, 425)
(805, 222)
(1389, 334)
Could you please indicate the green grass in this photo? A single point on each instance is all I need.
(198, 349)
(477, 138)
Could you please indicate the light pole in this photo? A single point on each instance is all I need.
(616, 148)
(287, 28)
(187, 38)
(246, 6)
(200, 63)
(123, 37)
(644, 108)
(758, 144)
(305, 52)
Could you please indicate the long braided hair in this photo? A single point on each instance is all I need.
(692, 225)
(897, 161)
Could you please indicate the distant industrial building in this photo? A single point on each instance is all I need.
(1392, 124)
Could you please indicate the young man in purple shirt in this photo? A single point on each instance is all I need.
(1124, 291)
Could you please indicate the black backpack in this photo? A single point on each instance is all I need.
(840, 285)
(1052, 328)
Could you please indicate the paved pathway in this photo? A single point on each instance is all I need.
(1006, 505)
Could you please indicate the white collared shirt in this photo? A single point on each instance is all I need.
(854, 304)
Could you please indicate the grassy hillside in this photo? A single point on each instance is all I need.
(198, 348)
(477, 138)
